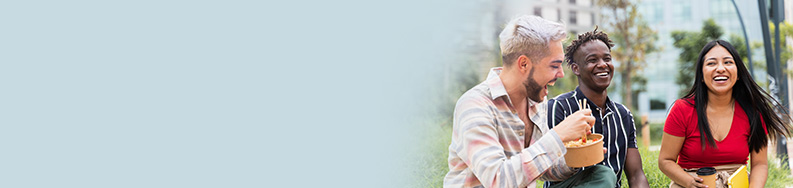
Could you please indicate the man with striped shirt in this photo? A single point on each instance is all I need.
(500, 137)
(589, 57)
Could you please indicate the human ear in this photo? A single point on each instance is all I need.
(524, 63)
(574, 67)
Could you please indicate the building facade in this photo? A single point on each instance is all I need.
(579, 15)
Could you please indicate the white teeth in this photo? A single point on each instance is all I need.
(720, 78)
(602, 74)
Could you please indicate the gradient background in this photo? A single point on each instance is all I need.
(233, 93)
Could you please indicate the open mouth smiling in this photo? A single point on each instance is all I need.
(603, 74)
(720, 78)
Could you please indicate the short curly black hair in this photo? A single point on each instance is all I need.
(583, 38)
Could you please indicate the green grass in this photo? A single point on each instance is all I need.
(431, 165)
(778, 176)
(650, 166)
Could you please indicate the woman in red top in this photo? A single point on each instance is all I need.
(723, 120)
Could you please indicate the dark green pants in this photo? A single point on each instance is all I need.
(595, 176)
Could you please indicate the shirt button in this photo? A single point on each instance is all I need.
(520, 133)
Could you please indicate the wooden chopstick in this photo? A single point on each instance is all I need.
(583, 138)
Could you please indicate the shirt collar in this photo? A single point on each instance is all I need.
(494, 83)
(580, 95)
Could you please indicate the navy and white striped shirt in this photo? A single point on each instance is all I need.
(616, 125)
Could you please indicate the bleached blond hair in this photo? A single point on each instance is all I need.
(529, 35)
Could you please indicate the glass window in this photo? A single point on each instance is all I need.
(682, 11)
(687, 12)
(659, 13)
(573, 17)
(558, 14)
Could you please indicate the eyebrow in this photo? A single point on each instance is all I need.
(713, 58)
(556, 61)
(590, 55)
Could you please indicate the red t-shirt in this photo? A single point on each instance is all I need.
(734, 149)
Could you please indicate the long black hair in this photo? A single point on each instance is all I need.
(753, 99)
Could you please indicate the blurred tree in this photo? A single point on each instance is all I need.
(690, 43)
(633, 40)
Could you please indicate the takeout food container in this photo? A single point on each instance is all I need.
(589, 154)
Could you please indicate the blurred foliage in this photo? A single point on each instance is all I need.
(778, 176)
(785, 30)
(431, 164)
(656, 131)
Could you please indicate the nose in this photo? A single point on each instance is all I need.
(560, 73)
(721, 68)
(601, 64)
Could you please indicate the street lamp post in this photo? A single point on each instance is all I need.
(778, 85)
(745, 38)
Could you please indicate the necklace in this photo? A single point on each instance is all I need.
(719, 120)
